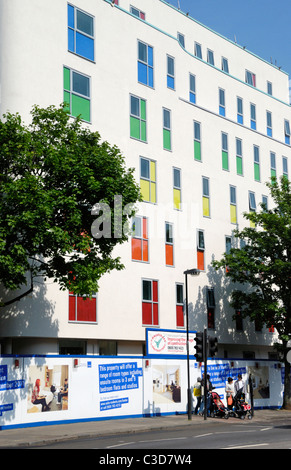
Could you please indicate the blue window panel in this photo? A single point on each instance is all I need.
(142, 73)
(287, 139)
(151, 77)
(253, 125)
(84, 46)
(192, 97)
(269, 132)
(221, 111)
(150, 56)
(170, 82)
(240, 119)
(71, 19)
(71, 40)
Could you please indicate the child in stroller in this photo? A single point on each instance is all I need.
(241, 408)
(217, 408)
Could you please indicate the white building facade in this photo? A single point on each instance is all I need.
(204, 122)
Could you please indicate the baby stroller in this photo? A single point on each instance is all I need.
(217, 408)
(241, 408)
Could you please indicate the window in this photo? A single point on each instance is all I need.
(240, 116)
(150, 303)
(116, 2)
(253, 117)
(80, 33)
(269, 88)
(228, 244)
(273, 164)
(197, 141)
(181, 39)
(285, 167)
(177, 188)
(210, 57)
(192, 87)
(210, 307)
(82, 309)
(179, 306)
(200, 250)
(205, 197)
(250, 78)
(145, 64)
(224, 65)
(169, 245)
(138, 118)
(224, 151)
(269, 124)
(77, 94)
(238, 320)
(221, 102)
(170, 72)
(148, 180)
(257, 163)
(252, 205)
(197, 50)
(265, 203)
(137, 13)
(167, 145)
(233, 207)
(287, 132)
(239, 157)
(139, 240)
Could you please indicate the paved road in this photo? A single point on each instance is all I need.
(214, 434)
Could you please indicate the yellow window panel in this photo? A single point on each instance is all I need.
(145, 189)
(153, 193)
(206, 210)
(177, 199)
(233, 218)
(153, 171)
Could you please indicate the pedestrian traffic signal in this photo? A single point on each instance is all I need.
(212, 345)
(199, 347)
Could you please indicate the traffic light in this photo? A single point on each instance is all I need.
(199, 347)
(212, 345)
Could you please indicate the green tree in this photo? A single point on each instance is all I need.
(53, 174)
(261, 267)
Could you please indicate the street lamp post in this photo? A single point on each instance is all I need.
(192, 272)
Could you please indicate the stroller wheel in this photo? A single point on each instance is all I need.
(226, 416)
(242, 416)
(250, 416)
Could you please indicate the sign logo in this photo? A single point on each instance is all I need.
(158, 342)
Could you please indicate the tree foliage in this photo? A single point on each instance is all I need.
(261, 268)
(52, 174)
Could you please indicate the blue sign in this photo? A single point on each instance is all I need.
(6, 384)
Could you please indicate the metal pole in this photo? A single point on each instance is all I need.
(189, 399)
(205, 372)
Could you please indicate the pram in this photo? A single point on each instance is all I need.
(241, 408)
(217, 408)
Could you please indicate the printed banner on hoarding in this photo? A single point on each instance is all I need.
(169, 342)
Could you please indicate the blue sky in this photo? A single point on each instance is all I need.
(262, 26)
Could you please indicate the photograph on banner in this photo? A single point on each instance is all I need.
(260, 380)
(48, 388)
(166, 383)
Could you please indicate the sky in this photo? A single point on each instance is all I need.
(262, 26)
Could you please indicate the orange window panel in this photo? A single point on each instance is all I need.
(169, 255)
(145, 250)
(136, 249)
(200, 260)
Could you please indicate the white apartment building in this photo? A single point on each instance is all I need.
(204, 122)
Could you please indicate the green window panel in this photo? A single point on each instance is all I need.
(134, 128)
(225, 160)
(257, 171)
(143, 132)
(67, 79)
(239, 165)
(197, 150)
(80, 106)
(167, 139)
(273, 173)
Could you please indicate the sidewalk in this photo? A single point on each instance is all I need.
(33, 436)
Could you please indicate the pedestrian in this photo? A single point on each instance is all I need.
(197, 395)
(240, 388)
(229, 392)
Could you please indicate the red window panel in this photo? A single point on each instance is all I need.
(155, 291)
(81, 309)
(147, 313)
(142, 15)
(200, 260)
(169, 255)
(179, 316)
(140, 244)
(155, 314)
